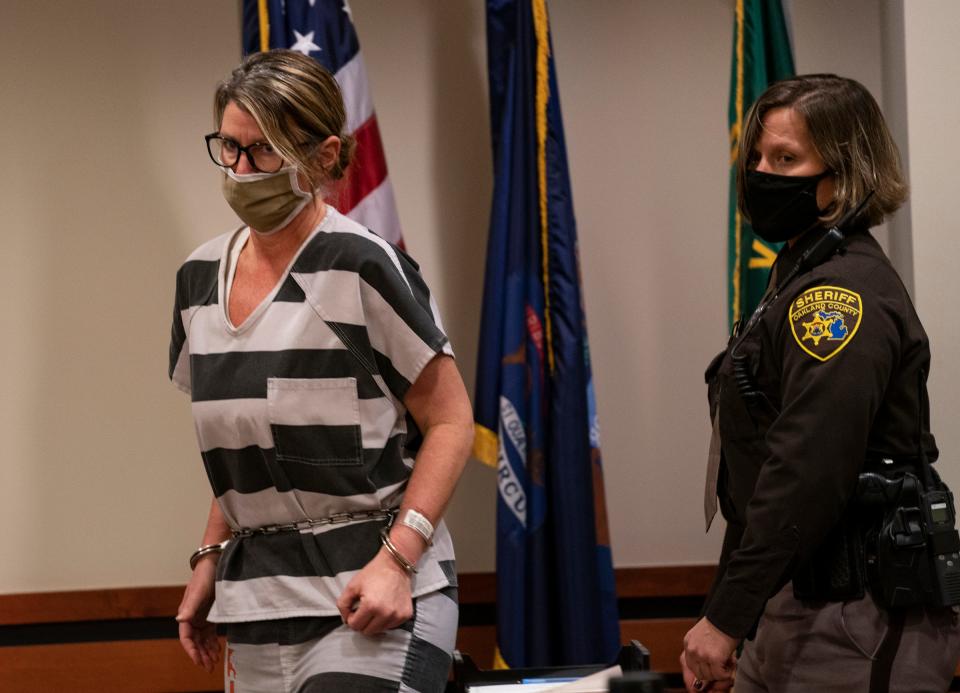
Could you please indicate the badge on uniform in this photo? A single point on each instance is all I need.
(824, 320)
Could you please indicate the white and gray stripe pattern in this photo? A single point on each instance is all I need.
(312, 655)
(299, 412)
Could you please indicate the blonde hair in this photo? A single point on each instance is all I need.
(297, 105)
(849, 133)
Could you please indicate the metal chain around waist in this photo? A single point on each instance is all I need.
(301, 525)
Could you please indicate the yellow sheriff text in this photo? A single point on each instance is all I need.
(824, 294)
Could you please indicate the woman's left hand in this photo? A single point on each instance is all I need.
(378, 597)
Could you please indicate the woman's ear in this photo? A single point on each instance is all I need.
(329, 152)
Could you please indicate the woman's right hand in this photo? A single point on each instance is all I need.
(197, 635)
(377, 598)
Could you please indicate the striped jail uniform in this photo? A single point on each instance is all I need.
(299, 413)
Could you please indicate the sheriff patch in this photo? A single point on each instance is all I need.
(824, 320)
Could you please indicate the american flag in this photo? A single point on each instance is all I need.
(323, 30)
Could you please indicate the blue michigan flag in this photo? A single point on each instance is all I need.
(535, 410)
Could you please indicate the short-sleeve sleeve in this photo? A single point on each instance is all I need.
(179, 369)
(402, 320)
(196, 287)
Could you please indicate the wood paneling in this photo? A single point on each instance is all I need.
(665, 581)
(663, 637)
(137, 666)
(477, 588)
(479, 642)
(89, 605)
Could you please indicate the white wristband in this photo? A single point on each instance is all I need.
(419, 524)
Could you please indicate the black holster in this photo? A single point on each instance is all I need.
(836, 571)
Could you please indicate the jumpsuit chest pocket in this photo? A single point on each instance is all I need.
(315, 420)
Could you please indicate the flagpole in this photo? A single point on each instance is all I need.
(734, 146)
(264, 14)
(543, 95)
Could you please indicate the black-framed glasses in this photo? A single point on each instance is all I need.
(261, 156)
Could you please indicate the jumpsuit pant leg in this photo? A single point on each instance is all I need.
(308, 655)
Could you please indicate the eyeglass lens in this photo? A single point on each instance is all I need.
(226, 152)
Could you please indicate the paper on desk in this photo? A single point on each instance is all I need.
(512, 688)
(594, 683)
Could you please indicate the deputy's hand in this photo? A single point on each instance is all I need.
(708, 657)
(378, 597)
(197, 635)
(690, 680)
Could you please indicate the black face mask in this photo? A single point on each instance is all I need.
(782, 207)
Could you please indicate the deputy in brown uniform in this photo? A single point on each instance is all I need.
(827, 380)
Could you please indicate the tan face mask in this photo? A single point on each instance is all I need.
(266, 202)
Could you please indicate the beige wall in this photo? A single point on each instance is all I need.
(105, 188)
(932, 79)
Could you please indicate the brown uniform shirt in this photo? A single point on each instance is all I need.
(838, 357)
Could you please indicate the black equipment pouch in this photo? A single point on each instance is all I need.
(913, 554)
(913, 551)
(836, 572)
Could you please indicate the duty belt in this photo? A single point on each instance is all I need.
(305, 524)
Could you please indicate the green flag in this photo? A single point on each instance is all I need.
(761, 56)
